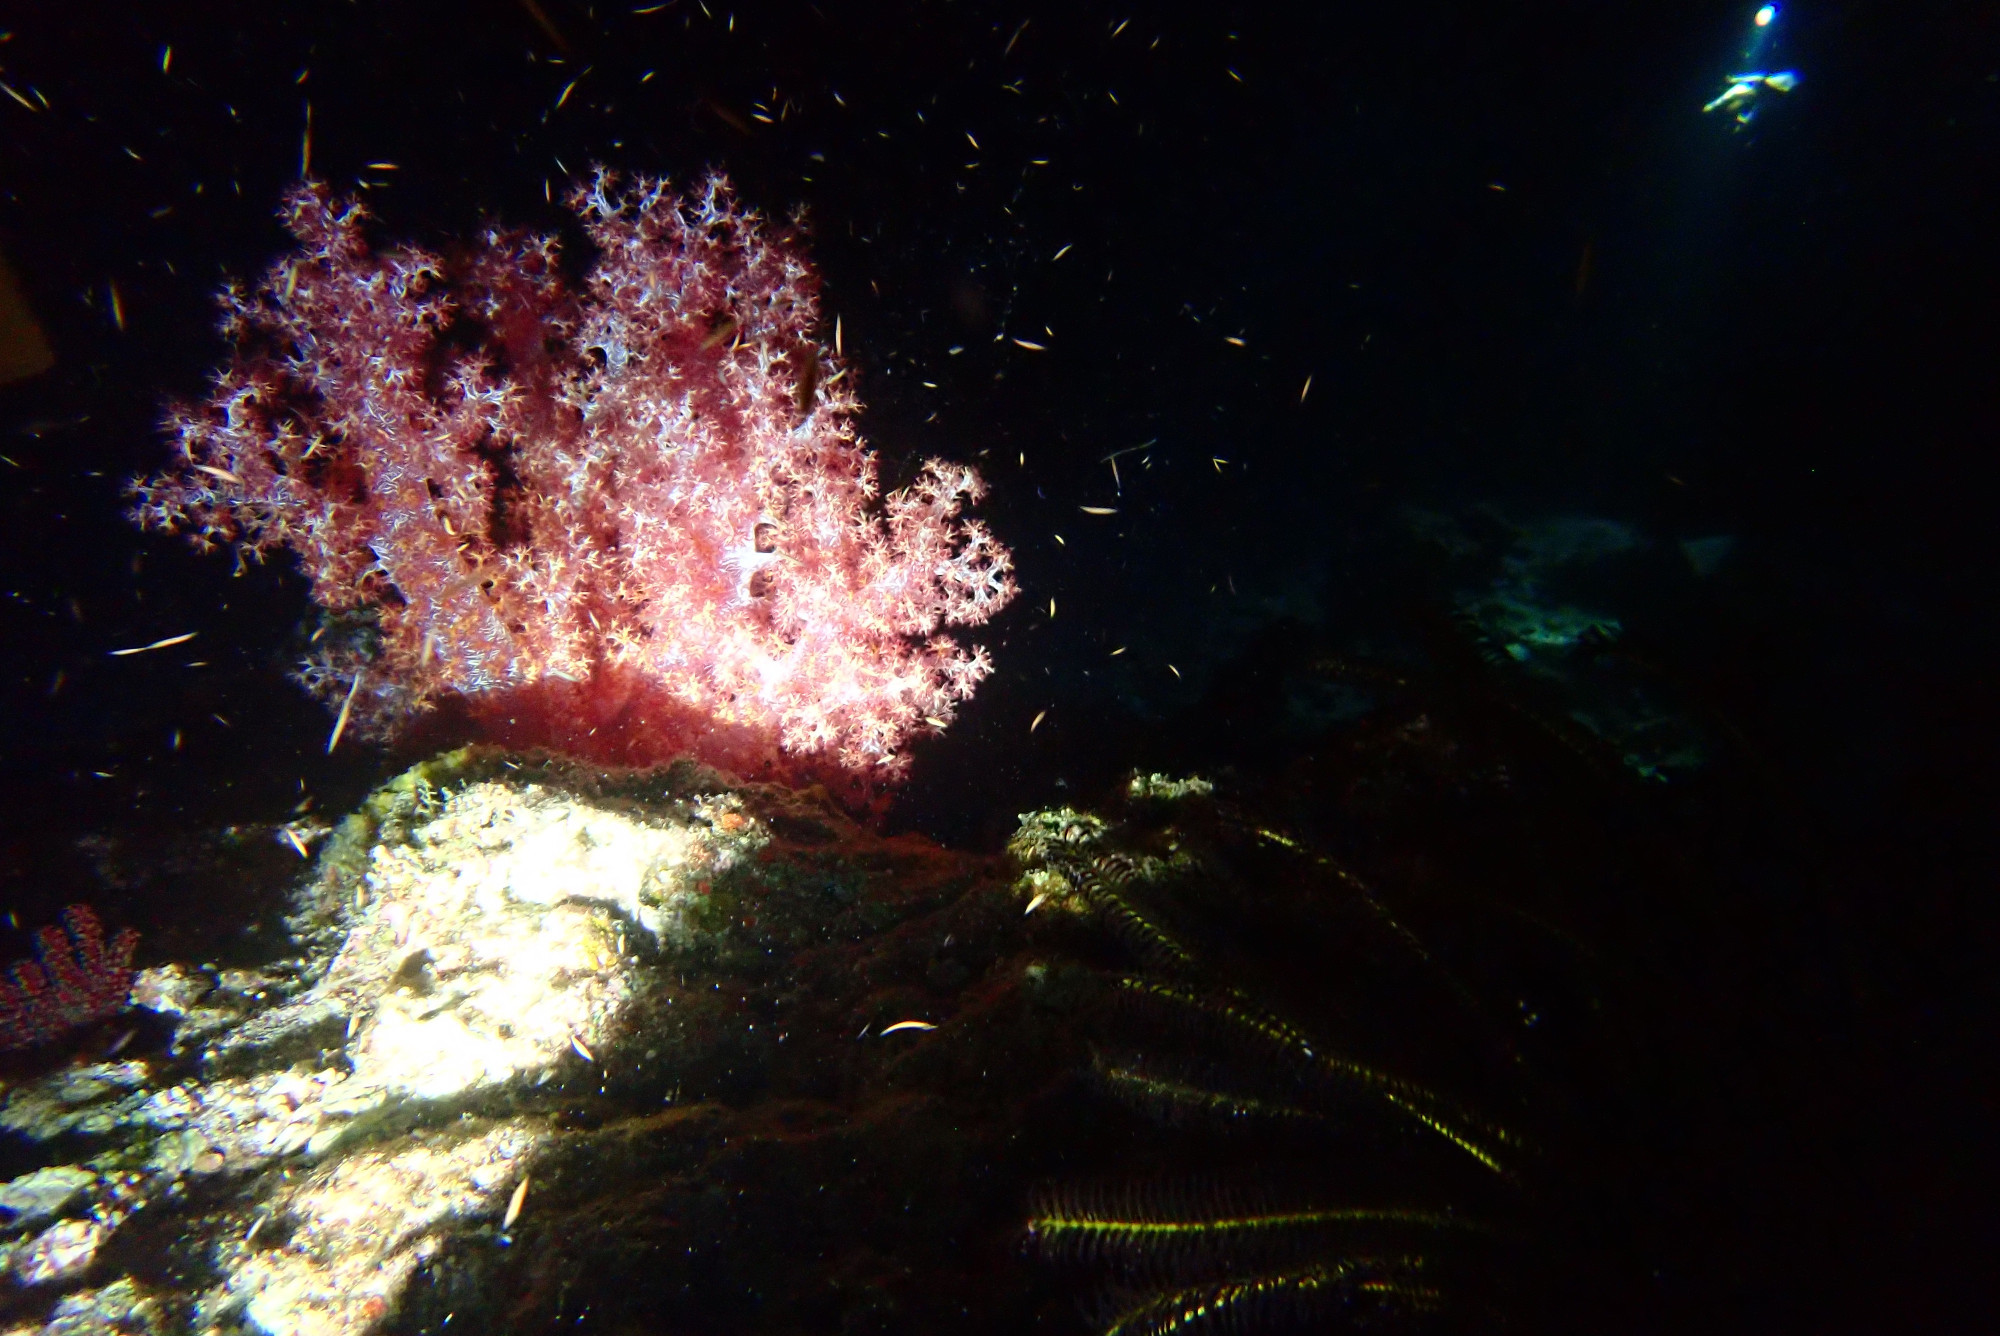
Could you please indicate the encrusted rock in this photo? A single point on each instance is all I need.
(42, 1195)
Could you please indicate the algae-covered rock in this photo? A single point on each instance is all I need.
(33, 1198)
(557, 1044)
(478, 934)
(509, 973)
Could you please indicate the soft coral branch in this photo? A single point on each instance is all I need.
(630, 520)
(76, 979)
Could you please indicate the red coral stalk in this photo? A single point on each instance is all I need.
(78, 980)
(628, 521)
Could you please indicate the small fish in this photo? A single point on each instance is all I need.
(1052, 609)
(515, 1202)
(1098, 510)
(1038, 721)
(1034, 904)
(808, 385)
(1059, 254)
(1231, 338)
(157, 644)
(582, 1052)
(1175, 671)
(1305, 389)
(934, 721)
(41, 427)
(297, 843)
(725, 329)
(215, 472)
(1032, 347)
(1116, 652)
(346, 707)
(908, 1025)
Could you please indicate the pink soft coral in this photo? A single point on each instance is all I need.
(628, 522)
(79, 979)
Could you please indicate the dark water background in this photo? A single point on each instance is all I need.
(1527, 278)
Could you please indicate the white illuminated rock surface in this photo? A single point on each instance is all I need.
(488, 944)
(359, 1226)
